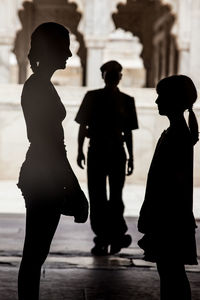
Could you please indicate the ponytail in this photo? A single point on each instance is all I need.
(181, 89)
(193, 126)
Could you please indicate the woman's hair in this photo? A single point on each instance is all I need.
(45, 38)
(181, 90)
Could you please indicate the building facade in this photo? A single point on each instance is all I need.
(156, 37)
(150, 38)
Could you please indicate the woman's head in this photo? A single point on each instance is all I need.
(49, 46)
(175, 94)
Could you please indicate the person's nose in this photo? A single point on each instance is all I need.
(69, 54)
(157, 100)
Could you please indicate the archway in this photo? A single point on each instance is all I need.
(37, 12)
(152, 22)
(126, 48)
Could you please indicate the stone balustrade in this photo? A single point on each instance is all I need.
(13, 141)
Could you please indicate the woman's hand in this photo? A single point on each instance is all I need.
(130, 166)
(81, 159)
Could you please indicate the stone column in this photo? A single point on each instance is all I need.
(194, 59)
(155, 64)
(163, 58)
(171, 57)
(5, 49)
(9, 24)
(159, 55)
(184, 57)
(95, 49)
(96, 25)
(183, 35)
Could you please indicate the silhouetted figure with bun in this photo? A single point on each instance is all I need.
(107, 117)
(166, 217)
(44, 174)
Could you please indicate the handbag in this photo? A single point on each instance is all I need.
(74, 202)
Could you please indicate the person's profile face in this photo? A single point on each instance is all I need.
(163, 103)
(60, 53)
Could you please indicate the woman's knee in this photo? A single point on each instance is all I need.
(35, 256)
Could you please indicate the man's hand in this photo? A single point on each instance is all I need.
(129, 166)
(81, 160)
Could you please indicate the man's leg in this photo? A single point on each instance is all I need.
(118, 225)
(96, 172)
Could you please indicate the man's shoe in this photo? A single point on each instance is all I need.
(99, 250)
(123, 242)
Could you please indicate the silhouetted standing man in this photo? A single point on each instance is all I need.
(107, 117)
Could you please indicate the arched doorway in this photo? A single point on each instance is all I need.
(152, 22)
(37, 12)
(126, 49)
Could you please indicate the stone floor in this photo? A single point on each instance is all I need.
(70, 271)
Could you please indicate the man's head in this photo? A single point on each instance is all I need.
(111, 73)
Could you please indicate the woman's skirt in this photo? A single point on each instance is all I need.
(175, 246)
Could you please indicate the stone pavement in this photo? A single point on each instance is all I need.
(70, 271)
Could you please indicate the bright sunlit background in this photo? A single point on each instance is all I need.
(151, 39)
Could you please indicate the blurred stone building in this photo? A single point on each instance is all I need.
(150, 38)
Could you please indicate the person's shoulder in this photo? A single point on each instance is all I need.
(28, 85)
(185, 134)
(33, 88)
(128, 100)
(126, 97)
(91, 95)
(31, 83)
(33, 79)
(95, 92)
(181, 134)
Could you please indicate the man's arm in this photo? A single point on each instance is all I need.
(129, 144)
(81, 137)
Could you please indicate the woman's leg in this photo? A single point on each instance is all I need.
(41, 224)
(174, 283)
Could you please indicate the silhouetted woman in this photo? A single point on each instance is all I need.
(44, 172)
(166, 217)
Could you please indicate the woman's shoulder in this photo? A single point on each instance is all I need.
(31, 81)
(182, 133)
(178, 140)
(33, 86)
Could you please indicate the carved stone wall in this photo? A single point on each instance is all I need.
(37, 12)
(144, 19)
(14, 144)
(126, 49)
(9, 24)
(91, 22)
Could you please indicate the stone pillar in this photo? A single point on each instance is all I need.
(159, 55)
(163, 58)
(171, 57)
(183, 35)
(9, 24)
(94, 62)
(96, 25)
(5, 49)
(194, 59)
(155, 64)
(184, 57)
